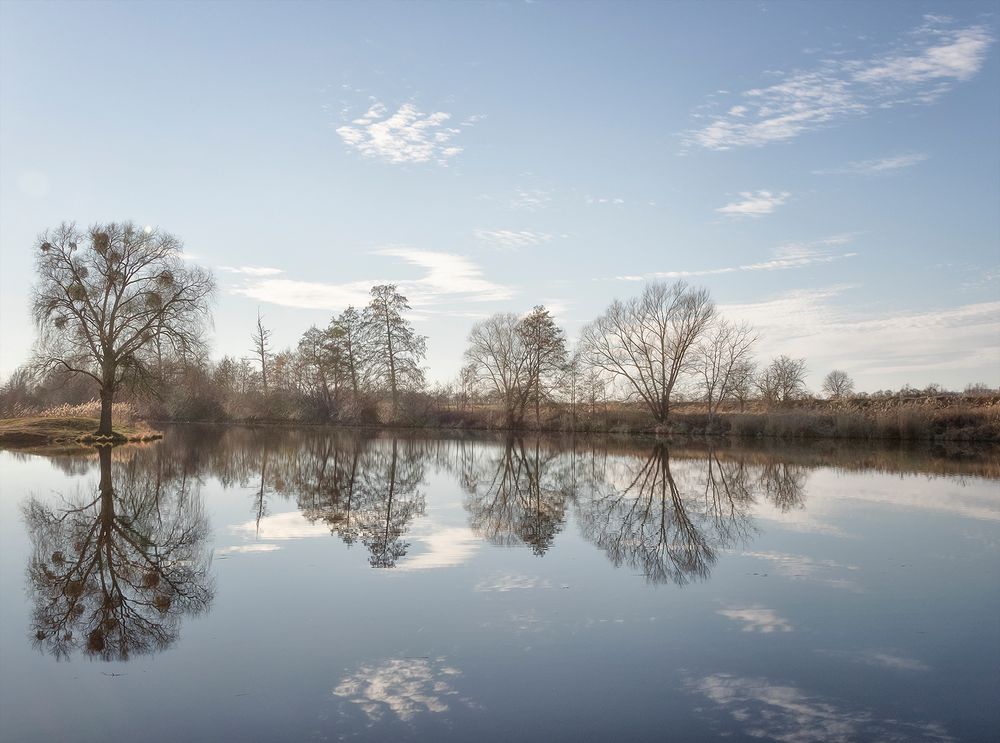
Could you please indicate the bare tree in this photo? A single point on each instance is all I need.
(261, 349)
(500, 360)
(783, 380)
(720, 354)
(351, 337)
(647, 341)
(742, 380)
(838, 385)
(108, 300)
(399, 349)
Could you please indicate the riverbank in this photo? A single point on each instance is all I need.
(938, 419)
(42, 431)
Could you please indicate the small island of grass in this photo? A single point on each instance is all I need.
(38, 431)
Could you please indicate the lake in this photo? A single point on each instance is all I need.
(309, 584)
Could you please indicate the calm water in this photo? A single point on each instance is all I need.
(237, 584)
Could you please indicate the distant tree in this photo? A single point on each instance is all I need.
(978, 389)
(837, 385)
(317, 356)
(719, 359)
(499, 358)
(545, 344)
(742, 378)
(783, 380)
(397, 348)
(261, 349)
(107, 301)
(647, 342)
(351, 337)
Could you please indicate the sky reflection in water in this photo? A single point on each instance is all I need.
(304, 584)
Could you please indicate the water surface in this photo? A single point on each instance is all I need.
(282, 584)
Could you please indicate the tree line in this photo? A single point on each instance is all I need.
(119, 312)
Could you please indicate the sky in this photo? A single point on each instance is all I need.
(829, 171)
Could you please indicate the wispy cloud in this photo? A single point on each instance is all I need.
(512, 239)
(615, 200)
(764, 709)
(793, 255)
(876, 166)
(758, 619)
(754, 204)
(252, 270)
(815, 324)
(920, 69)
(504, 582)
(447, 278)
(879, 659)
(805, 568)
(530, 199)
(406, 136)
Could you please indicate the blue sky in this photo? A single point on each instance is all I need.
(830, 171)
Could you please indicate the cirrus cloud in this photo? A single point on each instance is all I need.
(919, 70)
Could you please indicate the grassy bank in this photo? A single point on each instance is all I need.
(39, 431)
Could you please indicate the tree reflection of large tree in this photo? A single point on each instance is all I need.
(364, 489)
(668, 530)
(113, 576)
(520, 496)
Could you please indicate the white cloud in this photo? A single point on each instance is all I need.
(925, 65)
(615, 200)
(252, 270)
(445, 548)
(512, 239)
(401, 687)
(758, 619)
(754, 204)
(918, 344)
(245, 549)
(447, 278)
(279, 527)
(792, 255)
(877, 165)
(406, 136)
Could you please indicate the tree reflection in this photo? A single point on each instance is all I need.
(365, 490)
(113, 576)
(658, 524)
(783, 484)
(518, 496)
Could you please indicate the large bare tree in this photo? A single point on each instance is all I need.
(646, 342)
(109, 299)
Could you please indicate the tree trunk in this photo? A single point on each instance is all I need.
(107, 398)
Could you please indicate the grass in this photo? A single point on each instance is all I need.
(41, 431)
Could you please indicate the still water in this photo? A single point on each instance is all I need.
(266, 585)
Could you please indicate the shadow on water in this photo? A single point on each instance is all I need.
(112, 575)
